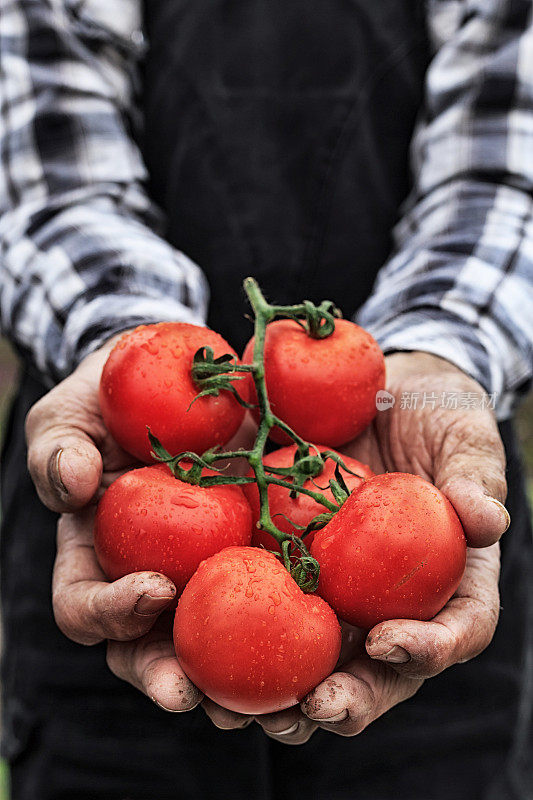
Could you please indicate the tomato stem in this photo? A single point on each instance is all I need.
(212, 375)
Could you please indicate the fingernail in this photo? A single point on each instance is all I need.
(291, 729)
(54, 472)
(147, 605)
(337, 718)
(506, 517)
(397, 655)
(170, 710)
(230, 727)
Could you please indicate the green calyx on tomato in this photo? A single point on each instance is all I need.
(212, 375)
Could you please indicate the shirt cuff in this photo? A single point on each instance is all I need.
(445, 335)
(91, 324)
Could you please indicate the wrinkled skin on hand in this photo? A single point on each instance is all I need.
(460, 451)
(72, 458)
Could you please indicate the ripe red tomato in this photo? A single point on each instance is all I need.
(301, 509)
(247, 635)
(149, 520)
(395, 550)
(147, 381)
(324, 389)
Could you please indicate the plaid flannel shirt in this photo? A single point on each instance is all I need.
(81, 254)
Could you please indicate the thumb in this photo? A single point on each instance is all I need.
(66, 468)
(349, 700)
(470, 471)
(61, 430)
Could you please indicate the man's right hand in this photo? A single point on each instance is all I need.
(72, 459)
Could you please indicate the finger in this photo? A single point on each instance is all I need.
(348, 701)
(89, 609)
(461, 631)
(223, 718)
(64, 463)
(150, 664)
(65, 434)
(288, 727)
(470, 470)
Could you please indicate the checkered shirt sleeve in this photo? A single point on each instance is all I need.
(459, 283)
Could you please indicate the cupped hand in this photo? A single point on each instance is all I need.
(460, 451)
(72, 459)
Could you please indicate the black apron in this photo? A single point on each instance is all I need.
(277, 136)
(277, 140)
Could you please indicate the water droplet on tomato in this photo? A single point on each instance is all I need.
(184, 500)
(151, 347)
(275, 598)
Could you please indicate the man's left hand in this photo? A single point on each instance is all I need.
(460, 451)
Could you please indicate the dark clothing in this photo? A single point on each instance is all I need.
(275, 162)
(277, 138)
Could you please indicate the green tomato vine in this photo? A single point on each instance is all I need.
(213, 375)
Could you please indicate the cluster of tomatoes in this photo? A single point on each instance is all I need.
(245, 632)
